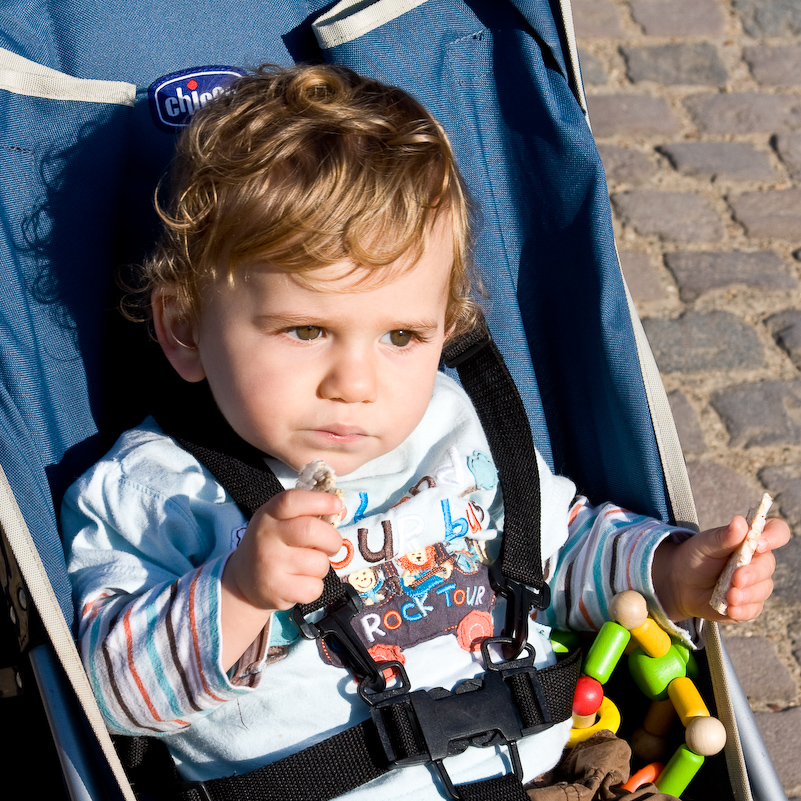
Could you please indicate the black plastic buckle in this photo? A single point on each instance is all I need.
(336, 627)
(520, 600)
(480, 712)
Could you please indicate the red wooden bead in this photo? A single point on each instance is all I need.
(588, 696)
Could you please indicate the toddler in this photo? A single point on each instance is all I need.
(314, 262)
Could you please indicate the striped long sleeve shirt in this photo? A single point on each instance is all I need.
(149, 531)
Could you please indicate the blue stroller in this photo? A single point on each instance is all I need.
(83, 143)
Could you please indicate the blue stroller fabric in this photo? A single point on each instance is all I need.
(77, 180)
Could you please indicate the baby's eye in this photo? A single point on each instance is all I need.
(306, 332)
(400, 338)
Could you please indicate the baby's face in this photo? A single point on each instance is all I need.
(333, 369)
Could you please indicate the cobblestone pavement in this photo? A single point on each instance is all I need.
(696, 107)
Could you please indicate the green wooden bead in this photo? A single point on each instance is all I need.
(652, 674)
(689, 659)
(679, 772)
(605, 652)
(564, 641)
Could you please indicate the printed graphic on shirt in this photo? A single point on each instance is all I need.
(438, 590)
(417, 518)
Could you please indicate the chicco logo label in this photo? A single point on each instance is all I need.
(175, 98)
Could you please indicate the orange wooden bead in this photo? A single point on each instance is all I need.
(649, 773)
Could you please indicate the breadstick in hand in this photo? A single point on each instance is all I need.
(756, 519)
(318, 476)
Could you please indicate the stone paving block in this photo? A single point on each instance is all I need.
(712, 160)
(769, 17)
(699, 341)
(783, 481)
(762, 675)
(788, 147)
(773, 213)
(781, 733)
(744, 112)
(691, 64)
(593, 18)
(641, 276)
(675, 216)
(786, 587)
(719, 492)
(678, 17)
(786, 329)
(699, 272)
(631, 115)
(774, 65)
(627, 166)
(761, 413)
(688, 424)
(592, 69)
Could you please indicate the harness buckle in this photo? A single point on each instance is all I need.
(427, 726)
(336, 627)
(520, 600)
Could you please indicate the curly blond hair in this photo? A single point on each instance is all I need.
(301, 168)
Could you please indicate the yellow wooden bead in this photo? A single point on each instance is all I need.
(687, 699)
(652, 638)
(705, 736)
(608, 718)
(659, 717)
(628, 608)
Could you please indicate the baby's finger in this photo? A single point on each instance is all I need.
(302, 503)
(775, 535)
(745, 612)
(760, 569)
(756, 592)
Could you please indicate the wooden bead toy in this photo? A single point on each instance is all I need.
(644, 775)
(629, 609)
(659, 717)
(584, 721)
(705, 736)
(653, 674)
(687, 700)
(664, 671)
(588, 696)
(679, 771)
(647, 746)
(605, 651)
(608, 718)
(653, 639)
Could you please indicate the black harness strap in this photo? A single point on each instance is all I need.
(510, 700)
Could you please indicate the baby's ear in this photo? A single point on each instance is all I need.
(176, 334)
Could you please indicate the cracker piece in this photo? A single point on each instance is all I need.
(756, 519)
(318, 476)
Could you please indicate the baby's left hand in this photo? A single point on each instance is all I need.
(685, 574)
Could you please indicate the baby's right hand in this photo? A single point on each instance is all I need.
(285, 552)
